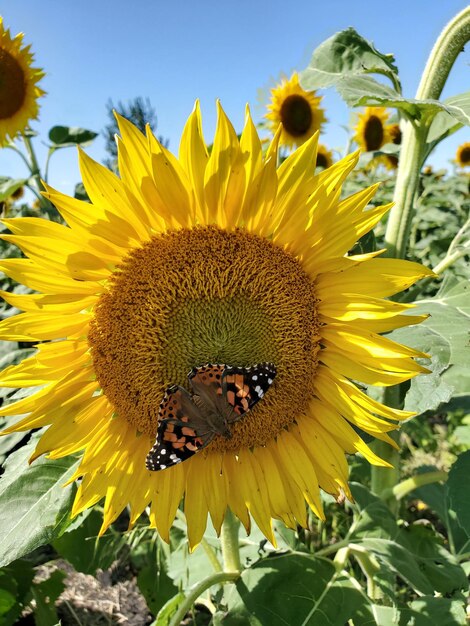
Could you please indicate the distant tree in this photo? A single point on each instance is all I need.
(140, 112)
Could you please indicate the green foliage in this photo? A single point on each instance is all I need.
(67, 136)
(34, 505)
(364, 565)
(459, 497)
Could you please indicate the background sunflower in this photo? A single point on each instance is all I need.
(19, 91)
(298, 111)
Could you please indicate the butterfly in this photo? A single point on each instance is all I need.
(221, 395)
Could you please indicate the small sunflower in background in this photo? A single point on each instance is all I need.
(462, 156)
(19, 91)
(388, 161)
(324, 157)
(395, 133)
(200, 329)
(298, 110)
(371, 130)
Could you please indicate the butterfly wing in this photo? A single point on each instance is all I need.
(243, 387)
(182, 430)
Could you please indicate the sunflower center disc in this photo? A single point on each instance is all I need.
(12, 85)
(190, 297)
(374, 133)
(296, 115)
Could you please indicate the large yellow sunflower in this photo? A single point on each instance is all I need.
(371, 130)
(19, 92)
(222, 258)
(462, 156)
(298, 111)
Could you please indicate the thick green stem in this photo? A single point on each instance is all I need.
(230, 543)
(446, 49)
(440, 62)
(451, 41)
(409, 167)
(197, 590)
(383, 479)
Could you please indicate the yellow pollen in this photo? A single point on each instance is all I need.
(12, 85)
(205, 295)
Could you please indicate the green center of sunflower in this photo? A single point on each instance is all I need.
(12, 85)
(296, 115)
(373, 133)
(191, 297)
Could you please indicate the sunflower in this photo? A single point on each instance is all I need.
(395, 133)
(324, 156)
(298, 111)
(193, 259)
(462, 156)
(372, 131)
(18, 85)
(389, 161)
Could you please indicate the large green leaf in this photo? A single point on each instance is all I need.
(445, 335)
(293, 589)
(346, 53)
(459, 494)
(425, 611)
(34, 504)
(366, 91)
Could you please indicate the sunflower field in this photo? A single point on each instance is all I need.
(234, 376)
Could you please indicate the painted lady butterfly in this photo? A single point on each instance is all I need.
(221, 395)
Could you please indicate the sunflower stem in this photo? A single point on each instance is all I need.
(405, 487)
(383, 479)
(440, 62)
(230, 543)
(198, 589)
(36, 173)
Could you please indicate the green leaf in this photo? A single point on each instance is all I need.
(65, 136)
(459, 494)
(34, 504)
(156, 587)
(425, 611)
(45, 594)
(81, 546)
(7, 600)
(446, 122)
(446, 336)
(414, 554)
(345, 53)
(8, 186)
(323, 597)
(366, 91)
(429, 610)
(168, 610)
(17, 579)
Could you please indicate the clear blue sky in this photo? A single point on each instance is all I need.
(175, 51)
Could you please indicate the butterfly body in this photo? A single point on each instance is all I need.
(221, 395)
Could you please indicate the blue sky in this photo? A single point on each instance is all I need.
(174, 52)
